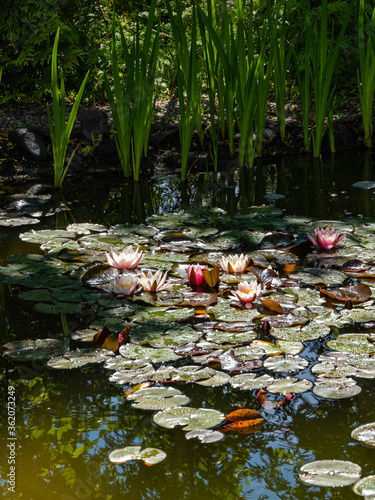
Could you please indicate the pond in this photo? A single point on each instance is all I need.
(70, 415)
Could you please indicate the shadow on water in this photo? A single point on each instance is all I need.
(67, 423)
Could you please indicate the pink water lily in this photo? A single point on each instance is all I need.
(247, 292)
(128, 259)
(154, 282)
(195, 274)
(234, 263)
(326, 238)
(125, 284)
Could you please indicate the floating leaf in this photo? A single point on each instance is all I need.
(23, 350)
(157, 398)
(250, 381)
(289, 385)
(190, 418)
(353, 343)
(243, 414)
(330, 473)
(150, 456)
(365, 487)
(336, 388)
(134, 351)
(205, 435)
(106, 339)
(286, 363)
(243, 427)
(211, 276)
(365, 433)
(356, 293)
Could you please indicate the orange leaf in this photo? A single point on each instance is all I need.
(261, 396)
(106, 339)
(273, 305)
(356, 293)
(243, 414)
(243, 426)
(211, 276)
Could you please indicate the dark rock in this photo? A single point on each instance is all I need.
(345, 138)
(29, 142)
(270, 135)
(94, 122)
(168, 136)
(107, 151)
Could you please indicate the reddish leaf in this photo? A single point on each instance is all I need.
(106, 339)
(356, 293)
(261, 396)
(268, 404)
(243, 414)
(287, 398)
(267, 276)
(175, 237)
(355, 266)
(244, 426)
(138, 387)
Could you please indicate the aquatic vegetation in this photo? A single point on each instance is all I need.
(234, 263)
(326, 238)
(125, 285)
(127, 259)
(60, 130)
(195, 274)
(247, 292)
(154, 282)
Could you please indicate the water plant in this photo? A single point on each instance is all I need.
(366, 72)
(188, 84)
(127, 259)
(323, 52)
(246, 293)
(132, 97)
(60, 130)
(326, 238)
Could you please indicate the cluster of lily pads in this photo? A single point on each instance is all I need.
(232, 300)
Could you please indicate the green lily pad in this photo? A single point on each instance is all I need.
(217, 380)
(157, 398)
(330, 473)
(311, 331)
(18, 221)
(289, 385)
(353, 343)
(223, 311)
(45, 235)
(161, 314)
(365, 487)
(79, 357)
(150, 456)
(189, 418)
(250, 381)
(23, 350)
(38, 295)
(141, 230)
(59, 308)
(221, 337)
(174, 337)
(134, 351)
(86, 228)
(205, 435)
(336, 388)
(285, 363)
(132, 376)
(365, 433)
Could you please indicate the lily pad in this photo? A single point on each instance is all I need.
(330, 473)
(289, 385)
(157, 398)
(189, 418)
(205, 435)
(250, 381)
(59, 308)
(365, 487)
(150, 456)
(134, 351)
(79, 357)
(161, 314)
(354, 343)
(23, 350)
(336, 388)
(286, 363)
(365, 433)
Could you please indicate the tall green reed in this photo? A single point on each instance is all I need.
(324, 53)
(60, 130)
(303, 76)
(366, 71)
(282, 53)
(132, 97)
(188, 84)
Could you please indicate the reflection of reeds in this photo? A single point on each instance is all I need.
(366, 72)
(132, 98)
(60, 130)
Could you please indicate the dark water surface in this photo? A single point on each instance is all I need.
(67, 422)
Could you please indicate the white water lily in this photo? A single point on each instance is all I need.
(247, 292)
(127, 259)
(125, 284)
(234, 263)
(154, 282)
